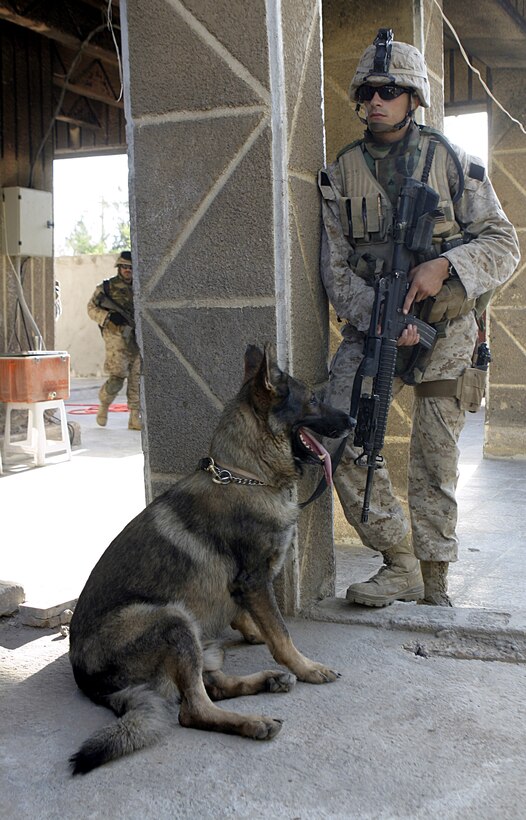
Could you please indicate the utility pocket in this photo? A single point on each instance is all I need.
(364, 218)
(445, 222)
(471, 387)
(450, 302)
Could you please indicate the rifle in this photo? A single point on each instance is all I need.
(413, 230)
(107, 302)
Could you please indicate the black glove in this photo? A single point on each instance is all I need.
(118, 319)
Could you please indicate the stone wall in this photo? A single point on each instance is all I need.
(505, 432)
(75, 332)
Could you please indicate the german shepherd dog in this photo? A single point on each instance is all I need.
(143, 637)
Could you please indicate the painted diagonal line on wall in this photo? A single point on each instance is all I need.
(299, 91)
(213, 303)
(504, 287)
(316, 311)
(337, 89)
(509, 334)
(509, 176)
(235, 66)
(194, 375)
(204, 205)
(198, 115)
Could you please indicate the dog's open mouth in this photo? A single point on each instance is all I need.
(308, 449)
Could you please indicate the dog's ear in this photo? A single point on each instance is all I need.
(261, 367)
(268, 377)
(253, 360)
(272, 373)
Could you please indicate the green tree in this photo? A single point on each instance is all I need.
(80, 240)
(121, 237)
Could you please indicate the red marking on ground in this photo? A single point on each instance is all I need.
(91, 409)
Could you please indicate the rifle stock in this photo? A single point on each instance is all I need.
(413, 230)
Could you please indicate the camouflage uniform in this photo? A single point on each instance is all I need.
(123, 360)
(483, 264)
(475, 248)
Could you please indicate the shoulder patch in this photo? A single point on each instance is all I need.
(476, 171)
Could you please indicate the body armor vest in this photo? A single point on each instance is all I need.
(367, 213)
(121, 292)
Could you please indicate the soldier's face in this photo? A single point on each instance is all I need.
(126, 272)
(383, 114)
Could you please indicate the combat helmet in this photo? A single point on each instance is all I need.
(124, 259)
(388, 61)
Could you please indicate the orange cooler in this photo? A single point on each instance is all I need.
(34, 376)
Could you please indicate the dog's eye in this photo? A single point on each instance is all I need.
(313, 401)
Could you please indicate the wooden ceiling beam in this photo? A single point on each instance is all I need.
(54, 21)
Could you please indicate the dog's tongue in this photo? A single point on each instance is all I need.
(320, 451)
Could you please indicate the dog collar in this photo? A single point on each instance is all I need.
(220, 475)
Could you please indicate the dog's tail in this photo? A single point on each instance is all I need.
(146, 716)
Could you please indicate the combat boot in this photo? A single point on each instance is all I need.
(399, 579)
(434, 574)
(102, 414)
(135, 420)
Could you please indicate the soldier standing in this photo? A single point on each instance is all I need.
(111, 306)
(474, 249)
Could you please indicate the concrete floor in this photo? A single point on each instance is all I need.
(78, 505)
(95, 494)
(427, 721)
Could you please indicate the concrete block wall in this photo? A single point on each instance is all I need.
(505, 433)
(224, 127)
(78, 276)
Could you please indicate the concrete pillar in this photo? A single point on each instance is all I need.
(348, 28)
(224, 128)
(505, 433)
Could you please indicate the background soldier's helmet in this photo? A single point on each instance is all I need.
(406, 67)
(124, 259)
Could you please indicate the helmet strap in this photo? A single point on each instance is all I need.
(381, 130)
(357, 112)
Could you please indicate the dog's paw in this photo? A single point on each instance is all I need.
(281, 682)
(253, 637)
(318, 673)
(265, 728)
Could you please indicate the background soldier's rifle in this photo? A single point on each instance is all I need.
(413, 230)
(107, 302)
(104, 300)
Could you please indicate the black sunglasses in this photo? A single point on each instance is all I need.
(365, 93)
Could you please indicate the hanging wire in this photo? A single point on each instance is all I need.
(61, 98)
(107, 25)
(109, 13)
(476, 71)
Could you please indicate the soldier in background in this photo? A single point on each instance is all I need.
(474, 250)
(111, 306)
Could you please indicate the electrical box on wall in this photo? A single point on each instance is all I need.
(28, 217)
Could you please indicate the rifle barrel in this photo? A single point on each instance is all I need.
(367, 495)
